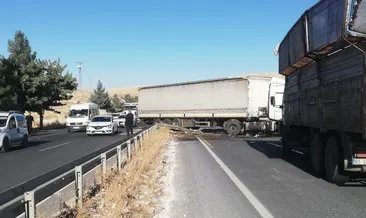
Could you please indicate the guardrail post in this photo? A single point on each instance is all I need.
(142, 138)
(140, 141)
(119, 157)
(135, 143)
(79, 186)
(129, 149)
(103, 159)
(30, 205)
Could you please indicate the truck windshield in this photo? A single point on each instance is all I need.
(78, 113)
(101, 119)
(3, 121)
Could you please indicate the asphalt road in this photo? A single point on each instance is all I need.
(200, 188)
(286, 187)
(248, 178)
(48, 151)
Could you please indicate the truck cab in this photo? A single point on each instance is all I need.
(275, 98)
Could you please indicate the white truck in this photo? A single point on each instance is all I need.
(240, 104)
(133, 107)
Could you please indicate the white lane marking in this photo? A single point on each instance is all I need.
(246, 192)
(56, 146)
(299, 152)
(279, 146)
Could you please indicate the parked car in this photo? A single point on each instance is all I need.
(103, 125)
(13, 130)
(121, 121)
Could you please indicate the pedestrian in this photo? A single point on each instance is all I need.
(129, 123)
(30, 121)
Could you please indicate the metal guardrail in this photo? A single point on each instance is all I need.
(25, 204)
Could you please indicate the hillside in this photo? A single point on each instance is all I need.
(80, 96)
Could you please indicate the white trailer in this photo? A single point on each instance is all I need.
(235, 104)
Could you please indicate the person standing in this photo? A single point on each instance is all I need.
(129, 123)
(30, 121)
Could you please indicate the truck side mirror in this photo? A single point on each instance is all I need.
(273, 101)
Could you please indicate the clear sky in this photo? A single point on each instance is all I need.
(128, 43)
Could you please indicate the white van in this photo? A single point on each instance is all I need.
(79, 116)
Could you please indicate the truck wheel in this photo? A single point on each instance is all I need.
(286, 150)
(233, 127)
(6, 145)
(157, 121)
(317, 154)
(167, 121)
(175, 122)
(333, 163)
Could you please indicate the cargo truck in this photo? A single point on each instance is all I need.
(324, 102)
(233, 104)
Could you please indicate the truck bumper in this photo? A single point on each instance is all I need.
(349, 167)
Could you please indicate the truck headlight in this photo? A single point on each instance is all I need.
(109, 126)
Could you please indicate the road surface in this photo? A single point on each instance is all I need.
(248, 178)
(46, 152)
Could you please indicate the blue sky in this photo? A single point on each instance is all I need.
(128, 43)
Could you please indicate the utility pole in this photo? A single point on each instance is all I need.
(90, 83)
(79, 66)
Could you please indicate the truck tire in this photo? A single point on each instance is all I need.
(175, 122)
(286, 150)
(168, 121)
(233, 127)
(333, 163)
(317, 155)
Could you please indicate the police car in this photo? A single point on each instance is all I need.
(13, 130)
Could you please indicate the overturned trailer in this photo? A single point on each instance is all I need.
(249, 104)
(324, 28)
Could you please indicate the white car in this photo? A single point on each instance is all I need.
(13, 130)
(121, 121)
(103, 125)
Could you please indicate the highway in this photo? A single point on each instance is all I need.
(248, 178)
(46, 152)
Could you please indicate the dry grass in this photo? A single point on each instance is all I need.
(135, 191)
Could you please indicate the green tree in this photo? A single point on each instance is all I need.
(20, 50)
(38, 85)
(9, 83)
(49, 87)
(117, 104)
(101, 97)
(129, 98)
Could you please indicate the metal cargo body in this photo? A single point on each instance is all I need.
(211, 98)
(328, 94)
(326, 27)
(294, 46)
